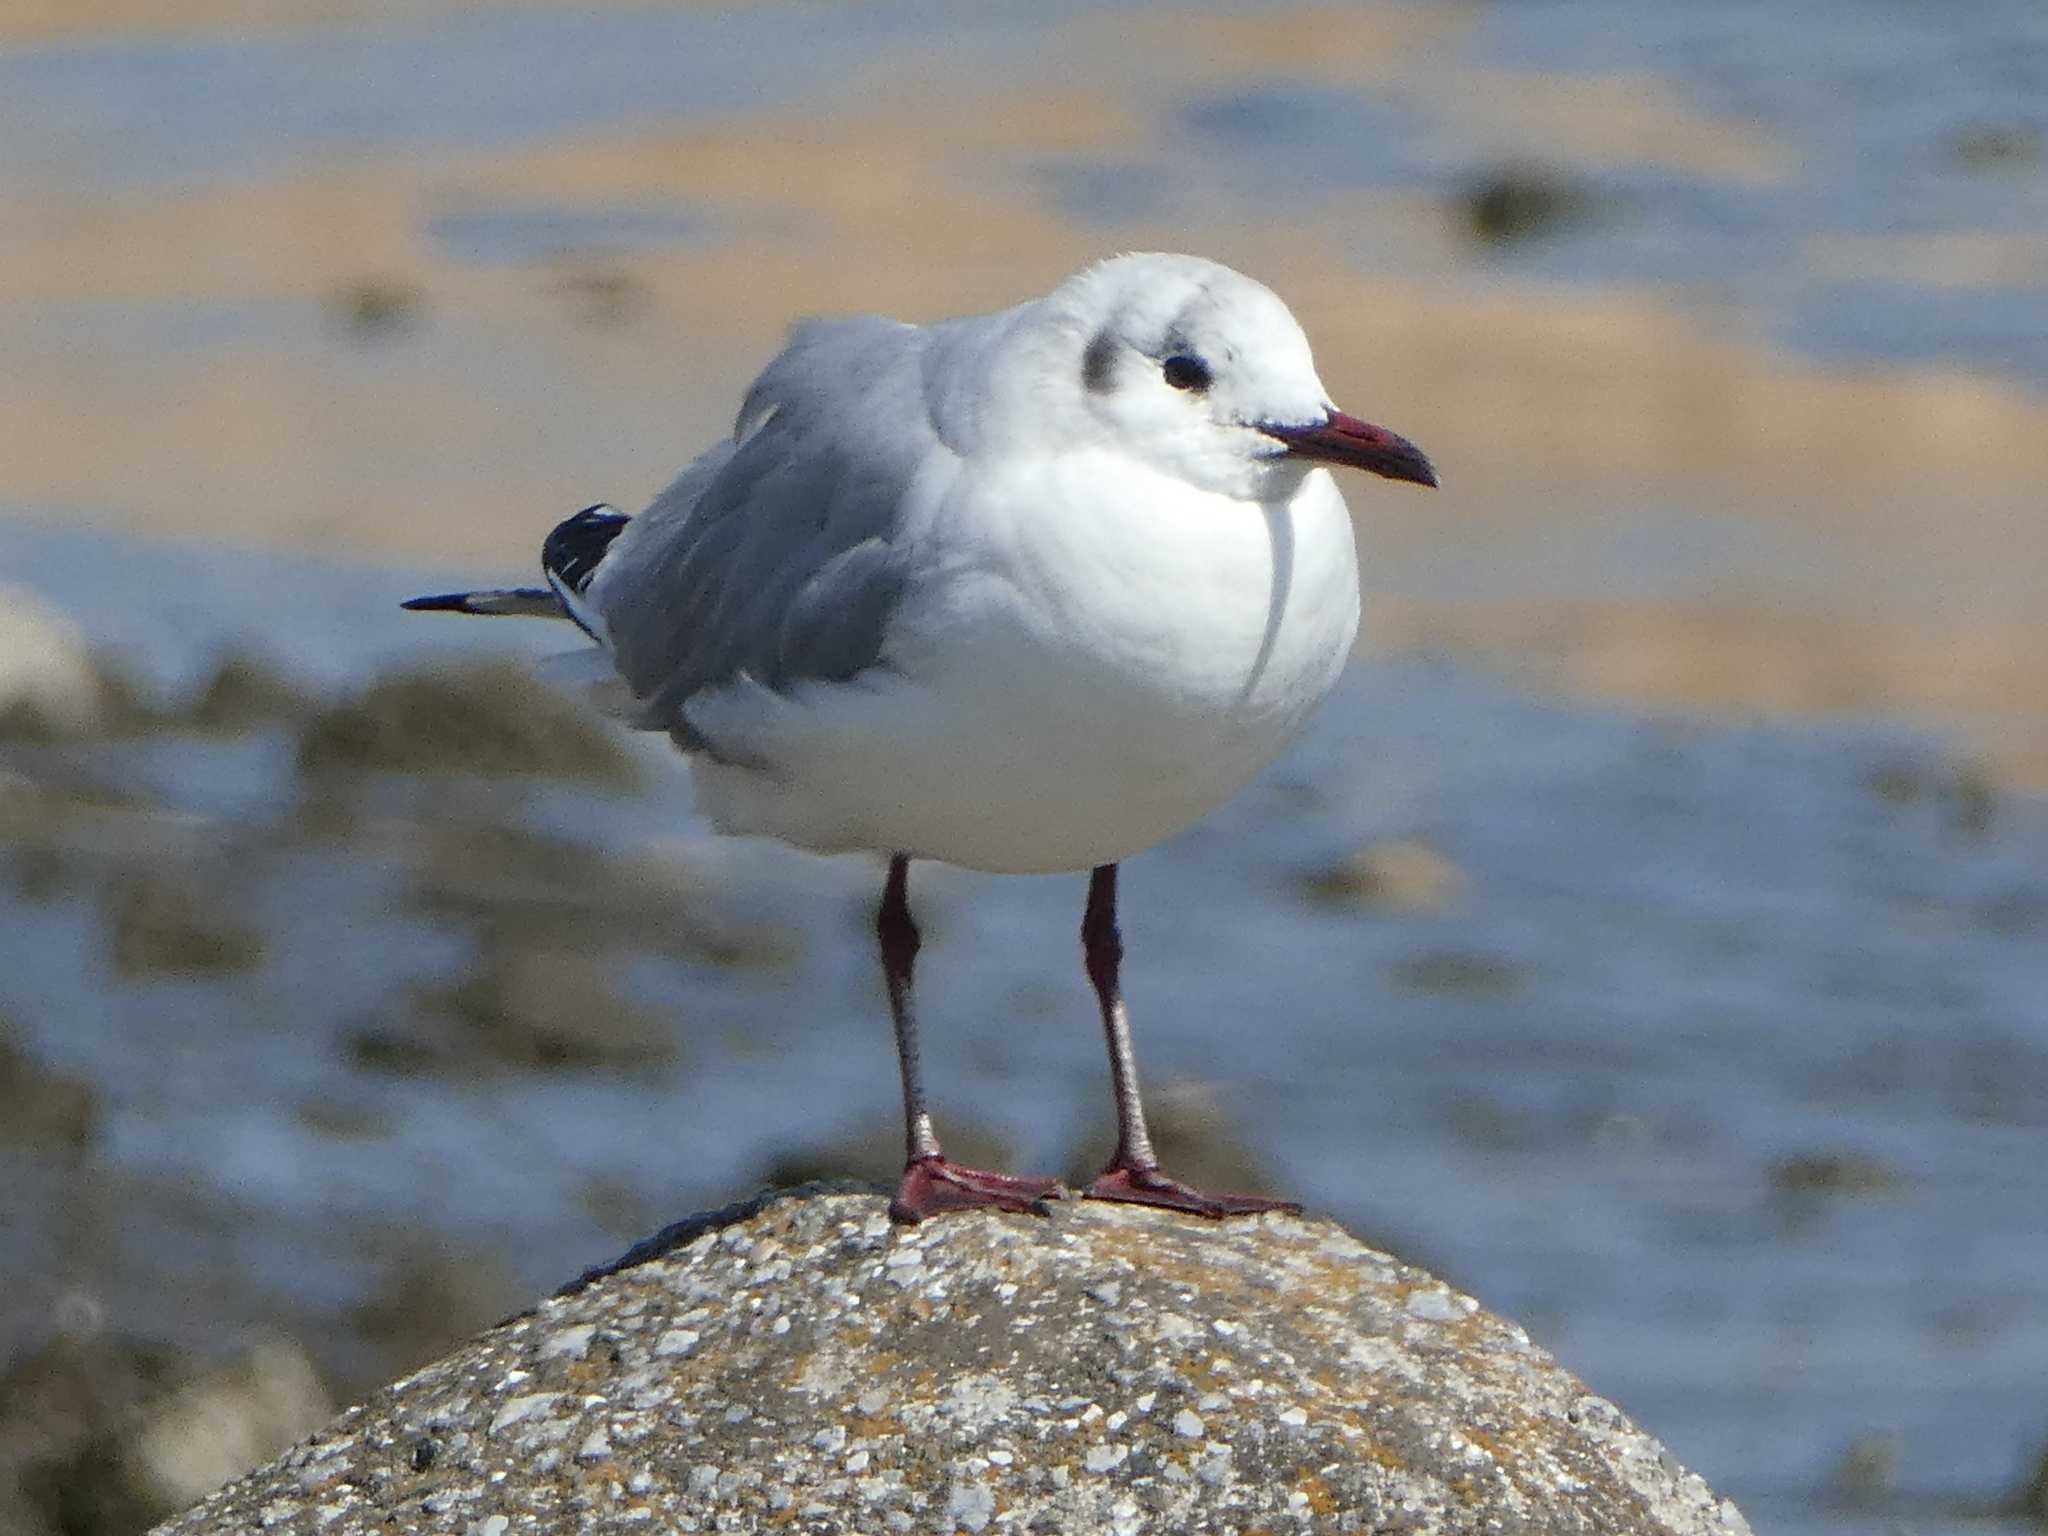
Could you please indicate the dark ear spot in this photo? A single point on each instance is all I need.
(1098, 363)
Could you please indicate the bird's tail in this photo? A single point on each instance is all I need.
(570, 559)
(517, 602)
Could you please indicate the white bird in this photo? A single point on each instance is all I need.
(1030, 591)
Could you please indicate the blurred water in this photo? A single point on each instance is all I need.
(1686, 954)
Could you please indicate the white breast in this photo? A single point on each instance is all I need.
(1096, 660)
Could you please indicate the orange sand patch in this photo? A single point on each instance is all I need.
(1610, 120)
(1949, 259)
(1989, 677)
(1526, 384)
(1343, 45)
(1509, 386)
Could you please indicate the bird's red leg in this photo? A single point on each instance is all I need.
(930, 1184)
(1134, 1175)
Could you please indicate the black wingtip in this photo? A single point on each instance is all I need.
(577, 546)
(441, 602)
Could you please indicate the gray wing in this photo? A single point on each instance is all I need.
(776, 553)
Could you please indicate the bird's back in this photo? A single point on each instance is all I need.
(775, 553)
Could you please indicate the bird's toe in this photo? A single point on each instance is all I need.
(1151, 1186)
(931, 1186)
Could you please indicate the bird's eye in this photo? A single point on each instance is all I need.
(1184, 372)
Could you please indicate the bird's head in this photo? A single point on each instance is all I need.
(1204, 374)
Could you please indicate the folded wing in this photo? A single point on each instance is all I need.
(775, 555)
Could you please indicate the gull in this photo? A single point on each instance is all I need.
(1023, 592)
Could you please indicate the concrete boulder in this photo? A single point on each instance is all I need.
(797, 1364)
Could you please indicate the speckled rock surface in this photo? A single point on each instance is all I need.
(797, 1364)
